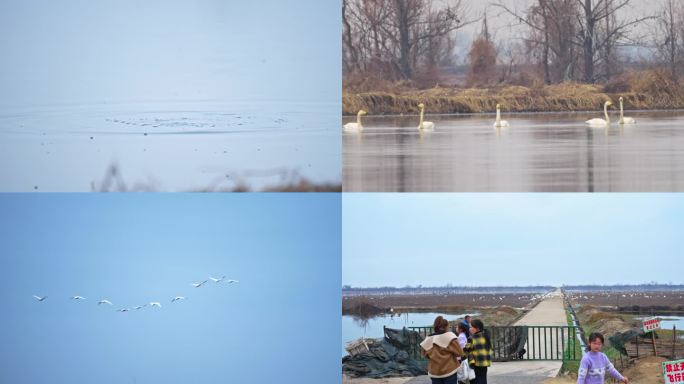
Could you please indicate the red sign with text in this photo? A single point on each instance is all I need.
(651, 324)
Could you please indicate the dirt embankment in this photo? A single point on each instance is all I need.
(607, 323)
(641, 90)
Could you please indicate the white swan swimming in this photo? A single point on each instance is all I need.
(500, 123)
(424, 125)
(623, 119)
(600, 123)
(356, 127)
(40, 298)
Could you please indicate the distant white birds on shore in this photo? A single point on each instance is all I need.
(197, 285)
(104, 301)
(155, 304)
(40, 298)
(77, 298)
(177, 298)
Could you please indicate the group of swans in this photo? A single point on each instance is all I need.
(150, 304)
(602, 123)
(357, 127)
(428, 126)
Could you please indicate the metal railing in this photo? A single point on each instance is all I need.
(530, 342)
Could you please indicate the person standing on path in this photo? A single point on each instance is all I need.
(479, 349)
(442, 350)
(595, 364)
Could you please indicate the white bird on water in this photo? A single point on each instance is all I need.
(601, 123)
(624, 120)
(197, 285)
(155, 304)
(424, 125)
(40, 298)
(355, 127)
(104, 301)
(77, 298)
(500, 123)
(177, 298)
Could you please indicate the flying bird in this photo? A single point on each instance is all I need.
(40, 298)
(155, 304)
(122, 310)
(177, 298)
(232, 281)
(77, 298)
(104, 301)
(218, 280)
(141, 306)
(197, 285)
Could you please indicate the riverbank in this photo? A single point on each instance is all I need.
(648, 90)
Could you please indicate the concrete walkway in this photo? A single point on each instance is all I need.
(549, 311)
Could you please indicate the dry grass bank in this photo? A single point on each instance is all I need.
(641, 90)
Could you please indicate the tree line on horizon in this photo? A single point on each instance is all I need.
(584, 41)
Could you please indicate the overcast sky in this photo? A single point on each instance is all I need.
(511, 239)
(81, 51)
(136, 248)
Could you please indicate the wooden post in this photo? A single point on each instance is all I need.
(637, 343)
(622, 365)
(655, 350)
(674, 341)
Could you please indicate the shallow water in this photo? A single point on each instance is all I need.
(353, 328)
(167, 146)
(539, 153)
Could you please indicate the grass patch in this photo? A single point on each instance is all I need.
(641, 90)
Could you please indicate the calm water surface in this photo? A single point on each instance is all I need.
(539, 153)
(167, 146)
(353, 328)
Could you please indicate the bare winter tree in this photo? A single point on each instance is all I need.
(405, 37)
(561, 32)
(551, 37)
(602, 30)
(669, 36)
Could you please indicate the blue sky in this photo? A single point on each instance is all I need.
(133, 249)
(79, 51)
(515, 239)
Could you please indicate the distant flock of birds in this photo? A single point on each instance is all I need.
(152, 303)
(427, 126)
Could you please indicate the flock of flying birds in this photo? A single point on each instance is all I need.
(152, 303)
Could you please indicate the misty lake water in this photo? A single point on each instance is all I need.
(353, 328)
(538, 153)
(168, 146)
